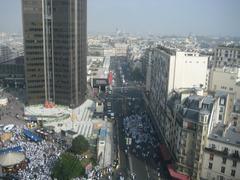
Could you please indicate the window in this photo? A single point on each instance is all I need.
(234, 163)
(213, 146)
(220, 117)
(222, 169)
(221, 177)
(222, 101)
(211, 156)
(225, 150)
(224, 160)
(210, 166)
(233, 173)
(221, 109)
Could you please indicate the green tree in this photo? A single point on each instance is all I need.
(79, 145)
(67, 167)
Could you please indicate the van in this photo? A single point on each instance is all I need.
(112, 115)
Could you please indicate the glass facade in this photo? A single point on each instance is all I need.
(55, 38)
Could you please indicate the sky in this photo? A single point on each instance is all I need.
(162, 17)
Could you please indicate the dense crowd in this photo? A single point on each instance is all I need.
(41, 156)
(144, 142)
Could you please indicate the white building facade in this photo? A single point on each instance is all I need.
(171, 70)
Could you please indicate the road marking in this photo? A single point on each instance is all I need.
(148, 175)
(130, 162)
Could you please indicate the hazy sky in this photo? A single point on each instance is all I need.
(206, 17)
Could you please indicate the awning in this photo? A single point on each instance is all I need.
(13, 149)
(164, 152)
(175, 175)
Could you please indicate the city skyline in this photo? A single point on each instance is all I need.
(216, 18)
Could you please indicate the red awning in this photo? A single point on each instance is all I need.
(175, 175)
(164, 152)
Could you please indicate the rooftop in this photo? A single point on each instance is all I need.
(226, 134)
(229, 46)
(167, 50)
(192, 107)
(221, 94)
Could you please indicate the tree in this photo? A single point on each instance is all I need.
(79, 145)
(68, 166)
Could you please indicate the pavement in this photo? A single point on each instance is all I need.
(13, 112)
(108, 154)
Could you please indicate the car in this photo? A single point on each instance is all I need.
(105, 118)
(112, 115)
(109, 104)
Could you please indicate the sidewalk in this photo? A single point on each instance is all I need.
(108, 153)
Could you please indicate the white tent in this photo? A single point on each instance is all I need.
(11, 159)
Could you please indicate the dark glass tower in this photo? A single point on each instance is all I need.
(55, 40)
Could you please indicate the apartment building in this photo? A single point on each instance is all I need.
(221, 153)
(187, 120)
(121, 49)
(226, 56)
(221, 160)
(171, 70)
(225, 79)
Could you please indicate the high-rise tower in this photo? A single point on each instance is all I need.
(55, 42)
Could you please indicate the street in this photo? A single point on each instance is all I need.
(12, 113)
(127, 101)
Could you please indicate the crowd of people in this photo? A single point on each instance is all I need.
(144, 142)
(40, 156)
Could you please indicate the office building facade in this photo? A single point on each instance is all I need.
(55, 43)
